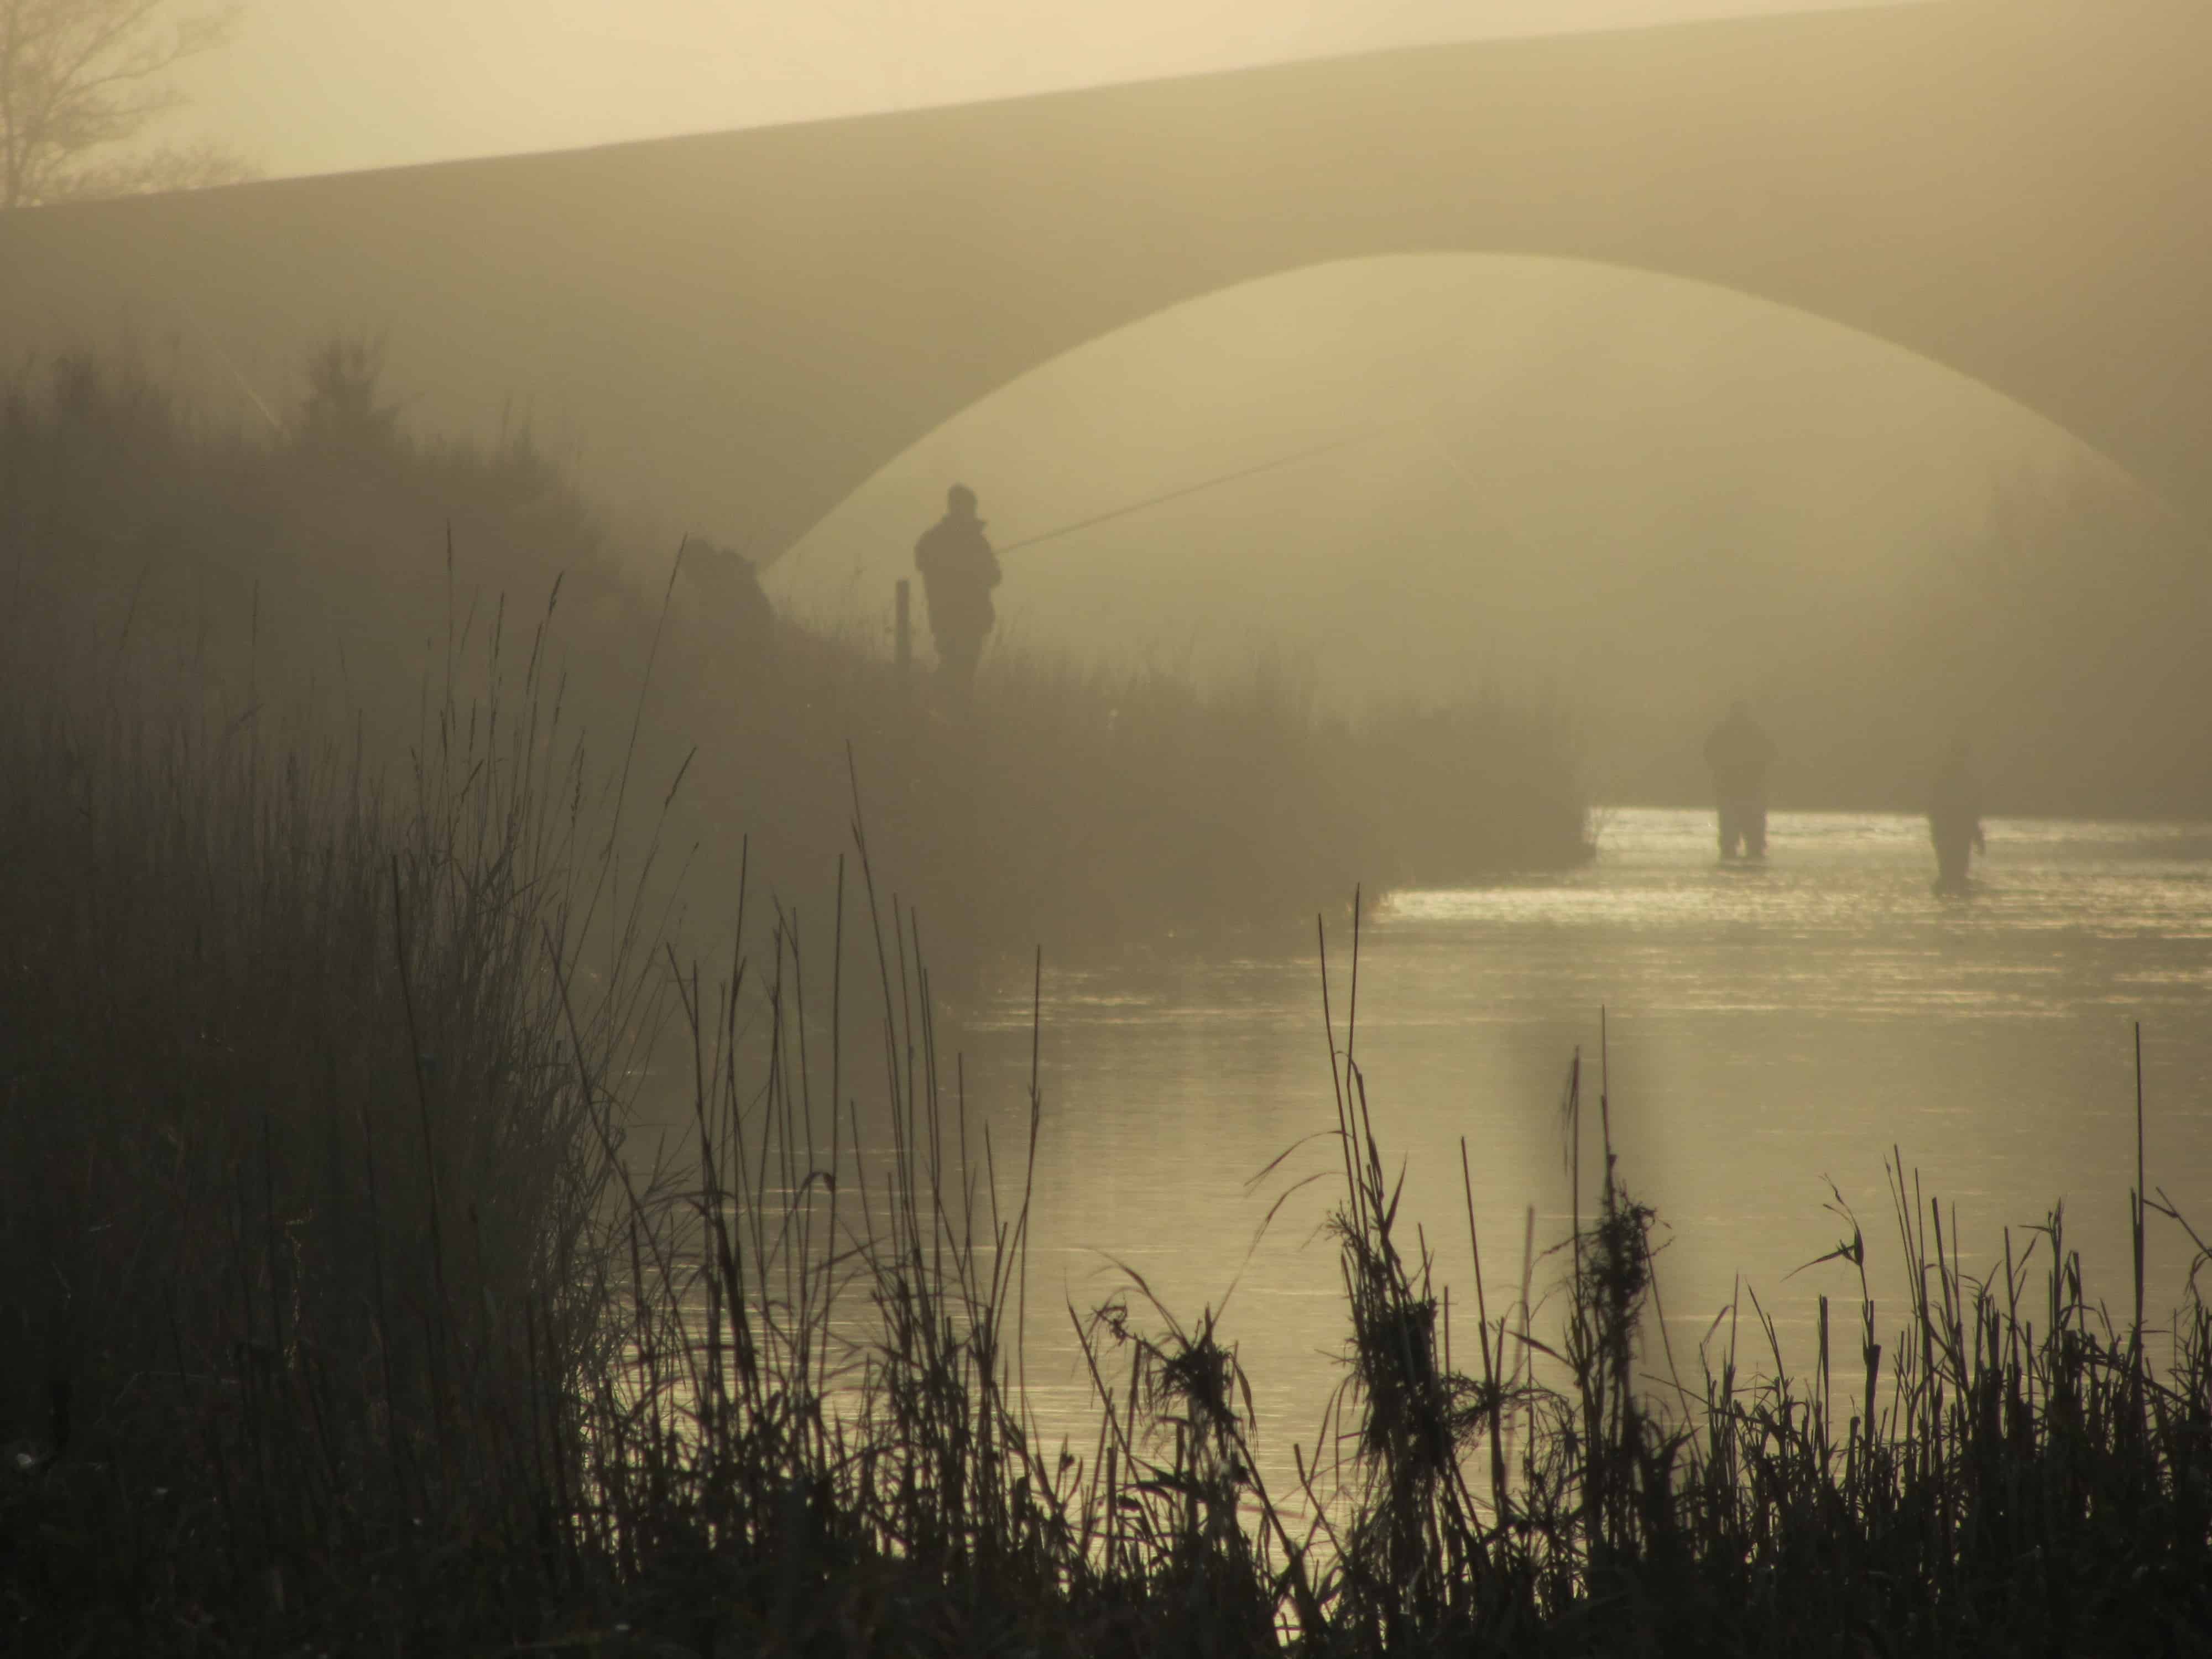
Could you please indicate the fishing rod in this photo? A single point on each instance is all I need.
(1278, 463)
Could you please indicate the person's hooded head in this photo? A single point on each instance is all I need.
(960, 504)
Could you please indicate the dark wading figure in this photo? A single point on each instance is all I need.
(1739, 754)
(958, 571)
(1954, 819)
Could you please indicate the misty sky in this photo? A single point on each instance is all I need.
(315, 86)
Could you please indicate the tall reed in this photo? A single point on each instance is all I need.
(303, 1163)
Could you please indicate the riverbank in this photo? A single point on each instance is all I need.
(316, 568)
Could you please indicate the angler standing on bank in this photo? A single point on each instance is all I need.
(958, 571)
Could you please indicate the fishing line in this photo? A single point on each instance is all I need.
(1278, 463)
(1214, 483)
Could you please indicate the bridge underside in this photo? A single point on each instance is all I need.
(747, 325)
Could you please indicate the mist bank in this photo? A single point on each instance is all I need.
(1629, 499)
(1646, 497)
(2060, 640)
(335, 573)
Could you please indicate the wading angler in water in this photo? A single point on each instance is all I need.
(1739, 754)
(1954, 818)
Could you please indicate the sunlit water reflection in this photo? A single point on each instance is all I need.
(1761, 1032)
(1765, 1030)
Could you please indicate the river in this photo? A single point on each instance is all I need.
(1761, 1032)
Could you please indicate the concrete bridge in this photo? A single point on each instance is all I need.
(747, 324)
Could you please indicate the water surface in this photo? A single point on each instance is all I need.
(1761, 1032)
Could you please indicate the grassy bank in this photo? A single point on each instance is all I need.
(341, 1322)
(319, 559)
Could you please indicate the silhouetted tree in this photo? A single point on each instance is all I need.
(80, 79)
(342, 410)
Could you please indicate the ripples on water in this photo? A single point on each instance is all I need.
(1766, 1030)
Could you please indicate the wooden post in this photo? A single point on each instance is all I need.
(904, 631)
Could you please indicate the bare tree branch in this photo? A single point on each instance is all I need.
(81, 80)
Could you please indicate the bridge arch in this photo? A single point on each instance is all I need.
(1529, 439)
(1514, 317)
(744, 326)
